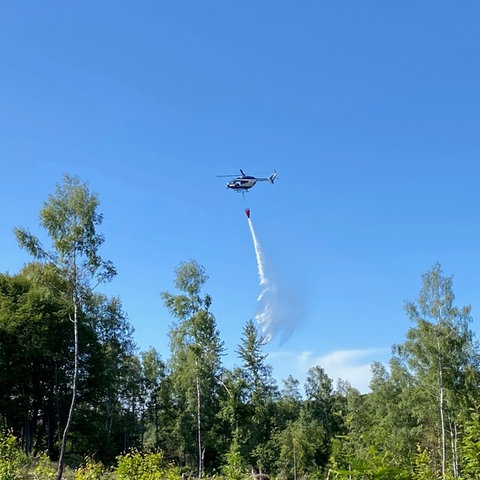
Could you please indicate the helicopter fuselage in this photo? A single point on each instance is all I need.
(242, 183)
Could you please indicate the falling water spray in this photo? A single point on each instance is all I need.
(263, 317)
(259, 256)
(279, 311)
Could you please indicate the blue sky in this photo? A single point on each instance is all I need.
(369, 111)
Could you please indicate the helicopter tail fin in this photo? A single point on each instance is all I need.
(272, 177)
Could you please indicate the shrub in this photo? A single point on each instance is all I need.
(144, 466)
(92, 470)
(235, 465)
(10, 456)
(44, 469)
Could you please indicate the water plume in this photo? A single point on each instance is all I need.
(278, 309)
(259, 257)
(264, 316)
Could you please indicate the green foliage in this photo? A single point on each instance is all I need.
(373, 465)
(10, 457)
(145, 466)
(34, 336)
(299, 444)
(44, 469)
(92, 470)
(258, 393)
(195, 364)
(235, 467)
(422, 466)
(199, 412)
(443, 363)
(471, 447)
(70, 218)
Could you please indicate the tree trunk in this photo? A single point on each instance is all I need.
(454, 447)
(157, 426)
(294, 461)
(442, 419)
(61, 459)
(199, 431)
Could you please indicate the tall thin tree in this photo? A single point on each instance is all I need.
(260, 392)
(71, 219)
(196, 350)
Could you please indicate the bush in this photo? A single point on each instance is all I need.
(92, 470)
(145, 466)
(235, 465)
(44, 469)
(10, 457)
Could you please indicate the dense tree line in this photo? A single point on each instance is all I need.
(72, 381)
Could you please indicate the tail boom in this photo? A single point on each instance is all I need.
(272, 177)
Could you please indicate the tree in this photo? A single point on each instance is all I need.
(36, 365)
(470, 446)
(443, 360)
(33, 339)
(132, 401)
(101, 411)
(298, 444)
(154, 373)
(70, 218)
(319, 408)
(390, 429)
(347, 447)
(289, 402)
(108, 340)
(196, 352)
(231, 411)
(259, 394)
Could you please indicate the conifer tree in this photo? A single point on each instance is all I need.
(260, 391)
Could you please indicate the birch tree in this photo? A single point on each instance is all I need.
(196, 352)
(443, 359)
(70, 219)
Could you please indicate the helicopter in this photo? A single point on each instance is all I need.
(243, 183)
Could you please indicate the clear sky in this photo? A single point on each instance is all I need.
(369, 111)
